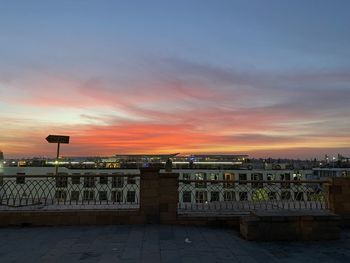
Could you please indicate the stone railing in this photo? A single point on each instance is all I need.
(156, 197)
(69, 192)
(213, 196)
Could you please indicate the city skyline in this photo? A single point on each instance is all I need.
(266, 79)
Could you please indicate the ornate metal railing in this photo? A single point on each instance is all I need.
(69, 192)
(245, 196)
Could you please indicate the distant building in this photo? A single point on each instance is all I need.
(322, 173)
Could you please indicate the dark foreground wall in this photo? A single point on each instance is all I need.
(79, 217)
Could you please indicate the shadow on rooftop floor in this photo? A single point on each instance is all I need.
(158, 243)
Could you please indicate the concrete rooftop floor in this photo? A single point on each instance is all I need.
(157, 243)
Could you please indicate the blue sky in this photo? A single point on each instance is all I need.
(252, 35)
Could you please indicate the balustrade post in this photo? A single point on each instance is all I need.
(168, 197)
(158, 196)
(338, 190)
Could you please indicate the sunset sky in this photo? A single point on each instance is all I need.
(265, 78)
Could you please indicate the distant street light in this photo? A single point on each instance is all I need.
(57, 139)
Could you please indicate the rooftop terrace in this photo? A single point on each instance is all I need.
(163, 198)
(158, 243)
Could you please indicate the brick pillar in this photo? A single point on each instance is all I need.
(168, 197)
(158, 196)
(339, 195)
(149, 194)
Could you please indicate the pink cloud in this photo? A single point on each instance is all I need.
(186, 107)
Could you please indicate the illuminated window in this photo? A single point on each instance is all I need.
(229, 177)
(201, 177)
(214, 177)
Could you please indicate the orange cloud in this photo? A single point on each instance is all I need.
(191, 108)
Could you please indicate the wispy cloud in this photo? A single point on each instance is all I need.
(180, 106)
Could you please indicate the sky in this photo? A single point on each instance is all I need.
(265, 78)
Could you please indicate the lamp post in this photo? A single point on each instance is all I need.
(57, 139)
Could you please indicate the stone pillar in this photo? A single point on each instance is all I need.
(158, 196)
(339, 195)
(168, 197)
(338, 190)
(149, 194)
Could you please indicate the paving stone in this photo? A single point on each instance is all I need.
(151, 257)
(167, 245)
(246, 259)
(156, 243)
(190, 259)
